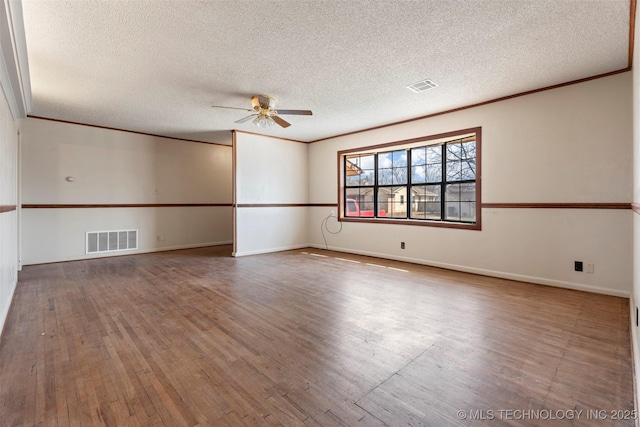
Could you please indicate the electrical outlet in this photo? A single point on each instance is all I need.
(577, 266)
(589, 268)
(401, 245)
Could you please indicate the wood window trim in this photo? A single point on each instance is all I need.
(414, 222)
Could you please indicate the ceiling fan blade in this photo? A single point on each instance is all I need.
(246, 119)
(281, 121)
(296, 112)
(231, 108)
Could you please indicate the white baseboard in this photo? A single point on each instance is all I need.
(197, 245)
(269, 250)
(491, 273)
(134, 252)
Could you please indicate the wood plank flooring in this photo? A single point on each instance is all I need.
(306, 338)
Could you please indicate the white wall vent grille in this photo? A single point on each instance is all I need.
(422, 86)
(111, 241)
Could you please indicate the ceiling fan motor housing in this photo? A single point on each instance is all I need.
(263, 102)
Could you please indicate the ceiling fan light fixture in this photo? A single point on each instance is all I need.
(263, 121)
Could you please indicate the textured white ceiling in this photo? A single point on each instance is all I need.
(157, 66)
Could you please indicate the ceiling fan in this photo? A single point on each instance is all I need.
(265, 113)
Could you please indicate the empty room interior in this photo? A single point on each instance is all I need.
(319, 213)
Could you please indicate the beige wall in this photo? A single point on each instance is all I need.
(570, 144)
(8, 197)
(115, 167)
(270, 171)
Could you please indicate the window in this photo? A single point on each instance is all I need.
(434, 180)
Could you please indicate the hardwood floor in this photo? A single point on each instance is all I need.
(306, 338)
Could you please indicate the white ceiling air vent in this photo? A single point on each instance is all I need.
(422, 85)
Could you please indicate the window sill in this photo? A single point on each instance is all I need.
(422, 223)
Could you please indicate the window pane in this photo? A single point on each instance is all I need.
(461, 202)
(434, 173)
(366, 161)
(468, 169)
(419, 174)
(461, 162)
(419, 156)
(452, 211)
(434, 154)
(359, 202)
(425, 202)
(352, 202)
(385, 160)
(400, 175)
(353, 163)
(400, 159)
(427, 164)
(454, 172)
(359, 170)
(453, 193)
(392, 167)
(362, 161)
(453, 151)
(368, 177)
(352, 180)
(385, 176)
(468, 150)
(385, 164)
(392, 202)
